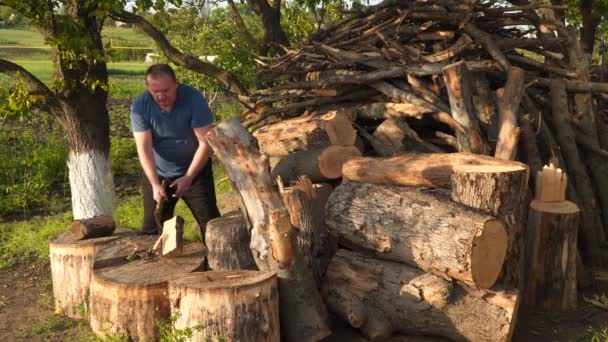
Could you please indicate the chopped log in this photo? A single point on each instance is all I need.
(551, 259)
(384, 297)
(484, 100)
(499, 191)
(380, 110)
(306, 133)
(428, 170)
(129, 286)
(171, 242)
(227, 306)
(508, 103)
(398, 137)
(319, 164)
(551, 184)
(303, 314)
(72, 268)
(98, 226)
(458, 82)
(420, 228)
(228, 239)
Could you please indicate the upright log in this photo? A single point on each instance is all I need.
(227, 238)
(420, 228)
(306, 133)
(98, 226)
(319, 164)
(499, 191)
(71, 270)
(384, 297)
(129, 286)
(508, 104)
(303, 313)
(458, 82)
(428, 170)
(229, 305)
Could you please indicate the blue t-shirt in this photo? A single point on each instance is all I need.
(173, 139)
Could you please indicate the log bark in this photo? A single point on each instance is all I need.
(460, 92)
(508, 104)
(499, 191)
(383, 297)
(129, 286)
(98, 226)
(484, 100)
(319, 164)
(306, 133)
(71, 271)
(551, 256)
(397, 137)
(303, 313)
(229, 305)
(420, 228)
(228, 239)
(428, 170)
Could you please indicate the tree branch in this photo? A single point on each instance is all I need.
(36, 87)
(241, 24)
(229, 80)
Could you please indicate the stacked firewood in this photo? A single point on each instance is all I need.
(442, 76)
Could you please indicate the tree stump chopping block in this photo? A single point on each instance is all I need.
(71, 270)
(229, 305)
(227, 238)
(129, 286)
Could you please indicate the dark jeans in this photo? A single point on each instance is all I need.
(200, 198)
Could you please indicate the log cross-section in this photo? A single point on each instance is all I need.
(303, 313)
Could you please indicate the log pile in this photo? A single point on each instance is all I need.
(440, 76)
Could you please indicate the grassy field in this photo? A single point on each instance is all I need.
(116, 36)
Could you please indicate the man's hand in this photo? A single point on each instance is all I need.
(158, 192)
(182, 184)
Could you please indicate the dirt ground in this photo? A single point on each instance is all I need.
(26, 314)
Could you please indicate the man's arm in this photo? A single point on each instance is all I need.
(143, 141)
(201, 156)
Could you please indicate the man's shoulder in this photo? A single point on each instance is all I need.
(142, 100)
(188, 91)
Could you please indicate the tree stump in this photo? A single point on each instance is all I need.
(129, 286)
(71, 270)
(384, 297)
(229, 305)
(228, 239)
(499, 191)
(420, 228)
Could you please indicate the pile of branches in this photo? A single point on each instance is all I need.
(510, 82)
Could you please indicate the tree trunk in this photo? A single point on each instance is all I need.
(229, 305)
(427, 170)
(303, 314)
(499, 191)
(228, 239)
(460, 92)
(129, 286)
(306, 133)
(551, 255)
(319, 164)
(508, 104)
(420, 228)
(71, 270)
(383, 297)
(95, 227)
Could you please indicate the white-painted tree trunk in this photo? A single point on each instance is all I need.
(91, 184)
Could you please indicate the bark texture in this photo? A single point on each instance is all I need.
(95, 227)
(227, 238)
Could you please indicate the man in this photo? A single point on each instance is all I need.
(169, 123)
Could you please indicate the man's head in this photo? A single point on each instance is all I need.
(162, 85)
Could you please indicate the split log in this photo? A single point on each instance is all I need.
(228, 239)
(171, 242)
(383, 297)
(552, 245)
(129, 286)
(306, 133)
(460, 92)
(98, 226)
(319, 164)
(397, 136)
(499, 191)
(227, 306)
(508, 104)
(428, 170)
(420, 228)
(303, 313)
(71, 270)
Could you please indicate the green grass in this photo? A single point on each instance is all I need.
(119, 36)
(21, 37)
